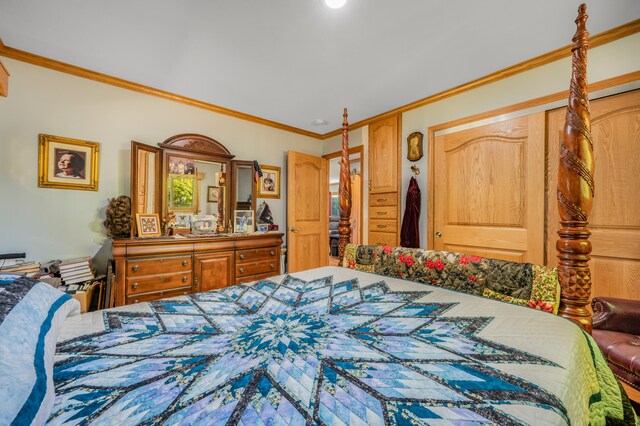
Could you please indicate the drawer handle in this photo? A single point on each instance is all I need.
(272, 266)
(382, 226)
(242, 270)
(135, 268)
(184, 278)
(381, 213)
(163, 279)
(242, 257)
(135, 301)
(379, 243)
(162, 293)
(184, 293)
(272, 253)
(381, 200)
(185, 263)
(134, 286)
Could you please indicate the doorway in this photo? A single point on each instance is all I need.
(356, 156)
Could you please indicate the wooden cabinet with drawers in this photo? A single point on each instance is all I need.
(384, 181)
(253, 264)
(166, 267)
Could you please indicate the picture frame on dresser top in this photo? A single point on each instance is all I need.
(148, 225)
(243, 221)
(65, 163)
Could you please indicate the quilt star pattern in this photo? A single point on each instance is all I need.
(292, 352)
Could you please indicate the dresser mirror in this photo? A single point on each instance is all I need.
(244, 188)
(146, 187)
(185, 178)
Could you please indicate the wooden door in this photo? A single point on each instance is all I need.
(384, 155)
(615, 218)
(489, 192)
(307, 219)
(214, 270)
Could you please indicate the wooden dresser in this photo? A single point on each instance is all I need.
(384, 177)
(150, 269)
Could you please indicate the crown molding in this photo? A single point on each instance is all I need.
(41, 61)
(613, 34)
(605, 37)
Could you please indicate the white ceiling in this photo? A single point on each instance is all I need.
(295, 61)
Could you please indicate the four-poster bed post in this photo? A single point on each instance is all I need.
(575, 189)
(344, 189)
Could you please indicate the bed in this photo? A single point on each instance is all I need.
(331, 345)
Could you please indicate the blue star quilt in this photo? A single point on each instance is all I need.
(329, 346)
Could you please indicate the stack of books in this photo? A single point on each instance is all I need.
(75, 271)
(20, 267)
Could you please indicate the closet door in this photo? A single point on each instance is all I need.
(489, 191)
(615, 218)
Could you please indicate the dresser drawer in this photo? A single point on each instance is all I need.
(141, 267)
(253, 268)
(136, 285)
(383, 199)
(256, 254)
(383, 239)
(148, 297)
(380, 225)
(251, 278)
(383, 212)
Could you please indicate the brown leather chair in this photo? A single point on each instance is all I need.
(616, 328)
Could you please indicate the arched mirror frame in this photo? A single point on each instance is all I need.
(188, 145)
(235, 165)
(196, 147)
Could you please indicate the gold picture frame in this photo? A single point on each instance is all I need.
(148, 225)
(269, 182)
(66, 163)
(414, 146)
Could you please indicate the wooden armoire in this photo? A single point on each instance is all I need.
(384, 181)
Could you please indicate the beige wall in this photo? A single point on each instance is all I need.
(610, 60)
(56, 223)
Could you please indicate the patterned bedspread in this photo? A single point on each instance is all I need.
(329, 346)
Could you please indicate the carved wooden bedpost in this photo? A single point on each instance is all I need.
(576, 189)
(344, 227)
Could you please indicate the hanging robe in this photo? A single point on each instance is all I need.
(410, 231)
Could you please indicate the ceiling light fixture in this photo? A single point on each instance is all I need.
(320, 122)
(335, 4)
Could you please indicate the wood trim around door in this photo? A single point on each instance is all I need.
(353, 150)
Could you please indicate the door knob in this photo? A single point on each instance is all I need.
(438, 234)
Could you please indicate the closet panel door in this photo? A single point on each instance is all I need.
(615, 218)
(384, 155)
(489, 191)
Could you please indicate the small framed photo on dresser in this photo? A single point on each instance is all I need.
(148, 225)
(243, 221)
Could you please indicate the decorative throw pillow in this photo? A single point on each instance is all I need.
(31, 313)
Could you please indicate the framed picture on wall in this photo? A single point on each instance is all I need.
(269, 182)
(148, 225)
(213, 194)
(66, 163)
(243, 221)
